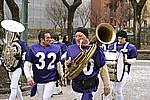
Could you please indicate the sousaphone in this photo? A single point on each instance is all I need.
(105, 33)
(11, 49)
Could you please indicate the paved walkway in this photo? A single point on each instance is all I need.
(137, 87)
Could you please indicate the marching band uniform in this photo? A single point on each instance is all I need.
(43, 58)
(130, 54)
(15, 72)
(55, 40)
(13, 55)
(86, 83)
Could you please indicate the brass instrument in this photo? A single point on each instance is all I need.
(11, 49)
(104, 34)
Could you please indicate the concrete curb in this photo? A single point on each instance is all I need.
(145, 63)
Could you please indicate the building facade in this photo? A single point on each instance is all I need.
(119, 16)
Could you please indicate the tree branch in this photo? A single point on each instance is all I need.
(134, 3)
(141, 4)
(65, 3)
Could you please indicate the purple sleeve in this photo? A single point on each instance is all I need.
(24, 46)
(133, 52)
(68, 55)
(64, 48)
(29, 55)
(111, 47)
(100, 58)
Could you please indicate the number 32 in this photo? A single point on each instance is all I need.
(42, 60)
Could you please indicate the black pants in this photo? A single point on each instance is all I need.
(88, 84)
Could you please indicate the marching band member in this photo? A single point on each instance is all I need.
(130, 53)
(55, 40)
(86, 83)
(14, 73)
(43, 58)
(67, 42)
(12, 55)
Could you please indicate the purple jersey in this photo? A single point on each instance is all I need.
(63, 46)
(44, 60)
(128, 49)
(92, 68)
(23, 45)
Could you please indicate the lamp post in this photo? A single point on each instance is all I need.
(25, 19)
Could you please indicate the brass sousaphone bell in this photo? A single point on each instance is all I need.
(105, 34)
(12, 26)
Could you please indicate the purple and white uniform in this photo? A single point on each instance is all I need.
(15, 72)
(128, 49)
(130, 53)
(23, 50)
(44, 60)
(89, 73)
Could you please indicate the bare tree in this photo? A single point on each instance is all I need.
(57, 14)
(121, 14)
(71, 11)
(113, 5)
(112, 12)
(84, 13)
(118, 11)
(137, 8)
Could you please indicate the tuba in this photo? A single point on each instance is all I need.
(104, 34)
(11, 50)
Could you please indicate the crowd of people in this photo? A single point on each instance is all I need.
(46, 62)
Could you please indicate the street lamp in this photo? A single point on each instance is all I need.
(25, 19)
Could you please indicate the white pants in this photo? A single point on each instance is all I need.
(15, 89)
(117, 87)
(78, 96)
(45, 90)
(57, 90)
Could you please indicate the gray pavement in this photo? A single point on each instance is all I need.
(137, 87)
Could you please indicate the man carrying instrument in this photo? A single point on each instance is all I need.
(130, 53)
(14, 73)
(12, 55)
(85, 84)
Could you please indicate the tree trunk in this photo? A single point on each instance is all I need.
(1, 17)
(137, 7)
(14, 9)
(71, 11)
(70, 24)
(1, 10)
(137, 29)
